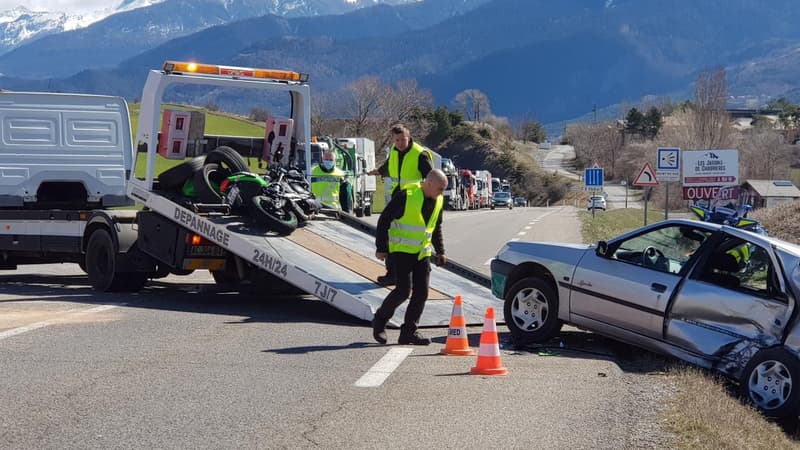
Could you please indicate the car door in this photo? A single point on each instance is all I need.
(629, 286)
(733, 296)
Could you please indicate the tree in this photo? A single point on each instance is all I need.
(259, 114)
(653, 121)
(532, 131)
(634, 122)
(441, 126)
(711, 124)
(368, 107)
(473, 104)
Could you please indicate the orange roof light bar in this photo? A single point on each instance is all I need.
(230, 71)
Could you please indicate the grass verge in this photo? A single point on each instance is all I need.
(703, 414)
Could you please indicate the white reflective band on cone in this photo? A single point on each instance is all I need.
(489, 350)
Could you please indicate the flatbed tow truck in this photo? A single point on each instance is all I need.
(331, 259)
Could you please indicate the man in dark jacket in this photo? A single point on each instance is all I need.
(408, 163)
(410, 228)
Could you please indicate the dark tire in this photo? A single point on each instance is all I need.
(225, 276)
(229, 158)
(368, 210)
(771, 382)
(359, 211)
(531, 311)
(101, 266)
(283, 223)
(266, 284)
(82, 265)
(176, 176)
(207, 181)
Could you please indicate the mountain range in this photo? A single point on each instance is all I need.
(145, 23)
(549, 61)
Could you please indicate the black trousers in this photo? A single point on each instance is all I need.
(412, 277)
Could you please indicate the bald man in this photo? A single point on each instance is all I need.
(410, 228)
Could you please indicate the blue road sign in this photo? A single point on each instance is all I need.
(593, 177)
(669, 159)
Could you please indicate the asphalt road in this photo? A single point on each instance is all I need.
(184, 365)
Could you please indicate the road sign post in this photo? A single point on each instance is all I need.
(669, 169)
(647, 179)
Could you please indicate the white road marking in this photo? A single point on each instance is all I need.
(514, 239)
(521, 233)
(37, 325)
(378, 373)
(528, 227)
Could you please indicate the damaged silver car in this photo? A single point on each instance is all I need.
(715, 296)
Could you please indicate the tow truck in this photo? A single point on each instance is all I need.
(331, 259)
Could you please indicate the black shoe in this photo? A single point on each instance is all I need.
(413, 339)
(386, 280)
(379, 330)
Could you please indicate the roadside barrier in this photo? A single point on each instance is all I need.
(457, 342)
(489, 360)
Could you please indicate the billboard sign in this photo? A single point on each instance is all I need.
(710, 167)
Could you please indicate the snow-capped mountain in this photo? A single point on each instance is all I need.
(21, 25)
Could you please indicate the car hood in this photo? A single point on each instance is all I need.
(543, 252)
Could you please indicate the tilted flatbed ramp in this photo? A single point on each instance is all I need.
(328, 259)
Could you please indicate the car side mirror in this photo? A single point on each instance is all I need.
(601, 249)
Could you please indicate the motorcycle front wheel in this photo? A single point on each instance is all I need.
(278, 220)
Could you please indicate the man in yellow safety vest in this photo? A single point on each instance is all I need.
(409, 229)
(326, 179)
(408, 163)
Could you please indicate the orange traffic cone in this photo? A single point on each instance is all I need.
(457, 341)
(489, 362)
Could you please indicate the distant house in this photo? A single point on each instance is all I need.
(767, 193)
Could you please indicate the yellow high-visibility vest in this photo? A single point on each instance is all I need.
(325, 185)
(409, 173)
(410, 233)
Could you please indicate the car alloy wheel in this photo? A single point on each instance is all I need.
(531, 310)
(768, 382)
(770, 385)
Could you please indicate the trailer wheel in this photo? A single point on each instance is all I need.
(359, 211)
(283, 223)
(368, 210)
(207, 181)
(225, 276)
(229, 158)
(101, 266)
(176, 176)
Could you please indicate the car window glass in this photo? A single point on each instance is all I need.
(742, 266)
(664, 249)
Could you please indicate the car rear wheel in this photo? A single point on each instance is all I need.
(531, 311)
(771, 382)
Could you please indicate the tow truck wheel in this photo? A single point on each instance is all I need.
(368, 210)
(359, 211)
(101, 266)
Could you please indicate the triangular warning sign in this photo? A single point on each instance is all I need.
(595, 165)
(647, 177)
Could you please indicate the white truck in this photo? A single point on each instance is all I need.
(65, 159)
(361, 153)
(484, 178)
